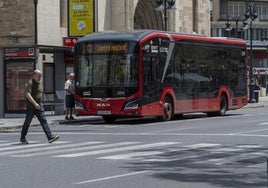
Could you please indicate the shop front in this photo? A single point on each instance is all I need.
(260, 67)
(17, 66)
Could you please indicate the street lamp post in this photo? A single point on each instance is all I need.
(228, 27)
(250, 16)
(164, 6)
(35, 22)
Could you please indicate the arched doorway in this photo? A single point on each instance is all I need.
(146, 17)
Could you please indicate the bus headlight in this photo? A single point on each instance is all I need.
(79, 105)
(134, 104)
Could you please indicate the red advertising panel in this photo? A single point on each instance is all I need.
(69, 41)
(19, 52)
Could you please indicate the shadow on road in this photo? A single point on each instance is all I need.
(196, 166)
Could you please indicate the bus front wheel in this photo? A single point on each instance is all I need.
(167, 112)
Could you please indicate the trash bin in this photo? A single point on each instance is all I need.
(257, 92)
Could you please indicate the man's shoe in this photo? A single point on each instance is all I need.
(67, 118)
(72, 118)
(53, 138)
(24, 141)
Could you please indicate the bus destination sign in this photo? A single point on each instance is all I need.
(107, 48)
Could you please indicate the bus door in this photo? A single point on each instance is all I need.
(153, 63)
(189, 81)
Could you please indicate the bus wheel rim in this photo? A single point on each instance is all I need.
(167, 110)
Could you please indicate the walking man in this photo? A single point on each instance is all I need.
(69, 97)
(34, 93)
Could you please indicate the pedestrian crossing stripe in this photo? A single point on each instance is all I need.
(233, 158)
(13, 146)
(224, 150)
(144, 146)
(201, 145)
(132, 155)
(83, 148)
(56, 147)
(201, 153)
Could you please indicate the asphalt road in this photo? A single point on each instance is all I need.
(196, 151)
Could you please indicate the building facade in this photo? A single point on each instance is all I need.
(18, 18)
(227, 20)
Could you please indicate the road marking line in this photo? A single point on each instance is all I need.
(117, 149)
(112, 177)
(77, 149)
(177, 129)
(158, 134)
(251, 131)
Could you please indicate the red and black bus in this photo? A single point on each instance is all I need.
(142, 73)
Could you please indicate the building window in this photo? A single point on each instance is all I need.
(262, 9)
(265, 34)
(235, 9)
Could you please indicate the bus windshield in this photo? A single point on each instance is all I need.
(107, 65)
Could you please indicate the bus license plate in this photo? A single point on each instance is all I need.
(104, 112)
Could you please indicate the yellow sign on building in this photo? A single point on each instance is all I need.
(81, 17)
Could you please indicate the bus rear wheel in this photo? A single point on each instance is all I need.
(167, 113)
(223, 108)
(109, 119)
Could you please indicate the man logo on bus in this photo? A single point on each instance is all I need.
(103, 105)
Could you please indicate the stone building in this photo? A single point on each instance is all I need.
(189, 16)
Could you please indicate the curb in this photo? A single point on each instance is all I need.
(52, 122)
(255, 106)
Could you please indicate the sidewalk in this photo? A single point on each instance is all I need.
(15, 123)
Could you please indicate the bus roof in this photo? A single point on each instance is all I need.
(138, 34)
(130, 35)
